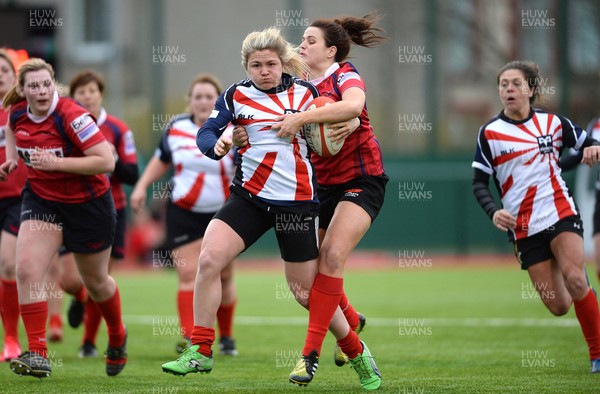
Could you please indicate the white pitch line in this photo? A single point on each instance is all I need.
(145, 320)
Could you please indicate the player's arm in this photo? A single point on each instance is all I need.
(126, 169)
(351, 106)
(575, 137)
(210, 139)
(11, 154)
(155, 169)
(500, 217)
(97, 159)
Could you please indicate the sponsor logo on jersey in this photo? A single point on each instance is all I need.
(2, 137)
(290, 111)
(85, 127)
(244, 116)
(545, 144)
(343, 77)
(129, 143)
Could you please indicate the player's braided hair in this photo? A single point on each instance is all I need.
(531, 72)
(343, 31)
(34, 64)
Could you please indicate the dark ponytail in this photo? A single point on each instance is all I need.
(343, 31)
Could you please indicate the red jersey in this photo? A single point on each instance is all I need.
(67, 131)
(361, 154)
(12, 187)
(117, 133)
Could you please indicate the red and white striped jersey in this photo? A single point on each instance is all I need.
(269, 167)
(200, 184)
(523, 157)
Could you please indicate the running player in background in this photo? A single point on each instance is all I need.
(571, 160)
(351, 185)
(520, 148)
(66, 201)
(10, 210)
(273, 187)
(87, 87)
(200, 188)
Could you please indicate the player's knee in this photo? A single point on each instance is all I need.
(211, 262)
(7, 271)
(559, 309)
(301, 297)
(331, 260)
(576, 283)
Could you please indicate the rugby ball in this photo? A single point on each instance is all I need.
(316, 133)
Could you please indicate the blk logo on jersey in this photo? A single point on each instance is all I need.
(290, 111)
(545, 144)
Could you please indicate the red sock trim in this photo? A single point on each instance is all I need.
(205, 337)
(225, 319)
(111, 311)
(349, 312)
(185, 308)
(82, 294)
(10, 307)
(56, 321)
(588, 314)
(91, 321)
(34, 318)
(351, 345)
(323, 299)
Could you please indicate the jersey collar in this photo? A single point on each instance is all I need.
(512, 121)
(333, 68)
(101, 117)
(40, 119)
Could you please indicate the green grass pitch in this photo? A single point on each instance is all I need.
(432, 330)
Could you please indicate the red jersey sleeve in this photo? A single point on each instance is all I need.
(126, 149)
(347, 78)
(80, 127)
